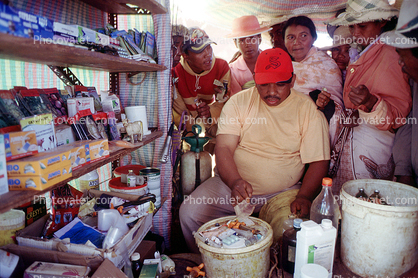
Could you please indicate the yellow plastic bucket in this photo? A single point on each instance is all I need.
(251, 261)
(379, 240)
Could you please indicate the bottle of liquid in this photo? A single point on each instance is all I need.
(315, 245)
(131, 178)
(325, 206)
(288, 223)
(289, 246)
(136, 264)
(362, 195)
(376, 198)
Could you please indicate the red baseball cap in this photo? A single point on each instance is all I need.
(272, 66)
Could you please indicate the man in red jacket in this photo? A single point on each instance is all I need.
(201, 81)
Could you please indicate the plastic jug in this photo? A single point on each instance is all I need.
(315, 245)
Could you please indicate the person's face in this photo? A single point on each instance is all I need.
(199, 62)
(274, 93)
(341, 56)
(248, 46)
(298, 41)
(176, 49)
(367, 32)
(408, 62)
(276, 36)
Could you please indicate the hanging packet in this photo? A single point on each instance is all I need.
(58, 104)
(11, 112)
(33, 102)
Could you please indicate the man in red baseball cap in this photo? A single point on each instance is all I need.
(266, 137)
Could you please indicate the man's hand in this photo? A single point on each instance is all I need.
(323, 99)
(241, 190)
(301, 206)
(360, 95)
(203, 110)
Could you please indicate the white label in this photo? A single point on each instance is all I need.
(321, 254)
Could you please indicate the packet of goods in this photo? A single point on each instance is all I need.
(243, 211)
(11, 112)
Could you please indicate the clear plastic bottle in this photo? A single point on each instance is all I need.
(289, 246)
(362, 195)
(325, 206)
(131, 178)
(136, 264)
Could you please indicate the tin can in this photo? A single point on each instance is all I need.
(152, 178)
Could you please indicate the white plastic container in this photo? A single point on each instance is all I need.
(313, 271)
(8, 263)
(11, 222)
(315, 244)
(379, 240)
(89, 181)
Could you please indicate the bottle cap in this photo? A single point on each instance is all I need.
(130, 171)
(326, 223)
(135, 256)
(297, 222)
(327, 181)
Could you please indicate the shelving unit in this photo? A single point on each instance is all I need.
(16, 198)
(29, 50)
(120, 7)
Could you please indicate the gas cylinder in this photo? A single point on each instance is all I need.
(196, 164)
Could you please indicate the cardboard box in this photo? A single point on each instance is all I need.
(99, 149)
(53, 175)
(10, 22)
(77, 154)
(43, 125)
(146, 249)
(34, 210)
(64, 134)
(108, 270)
(64, 33)
(54, 270)
(80, 103)
(39, 164)
(20, 144)
(4, 187)
(30, 237)
(37, 27)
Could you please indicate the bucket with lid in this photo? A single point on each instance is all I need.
(250, 261)
(11, 222)
(116, 185)
(379, 240)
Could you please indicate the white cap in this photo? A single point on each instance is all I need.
(135, 256)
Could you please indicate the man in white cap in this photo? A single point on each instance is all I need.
(246, 32)
(405, 39)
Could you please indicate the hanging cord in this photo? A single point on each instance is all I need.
(139, 83)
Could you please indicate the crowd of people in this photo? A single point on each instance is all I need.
(284, 118)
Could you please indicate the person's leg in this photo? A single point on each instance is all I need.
(277, 210)
(208, 201)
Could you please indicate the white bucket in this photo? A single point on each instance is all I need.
(138, 113)
(379, 240)
(251, 261)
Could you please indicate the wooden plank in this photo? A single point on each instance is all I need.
(120, 7)
(16, 198)
(29, 50)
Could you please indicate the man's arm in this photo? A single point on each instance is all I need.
(224, 154)
(310, 187)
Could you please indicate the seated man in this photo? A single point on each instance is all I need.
(266, 136)
(199, 82)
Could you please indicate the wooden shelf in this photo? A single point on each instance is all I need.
(28, 50)
(13, 199)
(120, 7)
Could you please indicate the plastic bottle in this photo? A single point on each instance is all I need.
(289, 246)
(325, 206)
(315, 245)
(89, 181)
(362, 195)
(168, 264)
(136, 264)
(131, 178)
